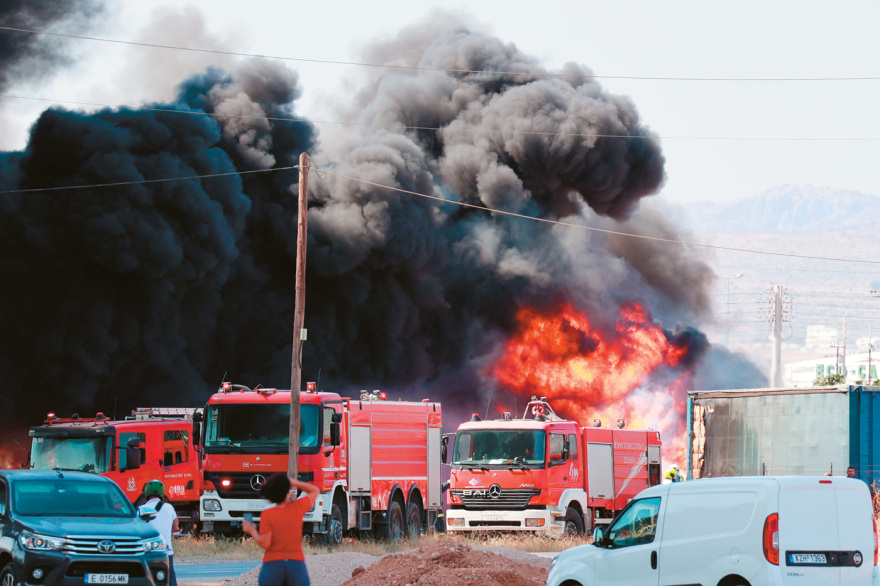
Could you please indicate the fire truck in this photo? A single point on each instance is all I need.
(152, 443)
(544, 474)
(377, 462)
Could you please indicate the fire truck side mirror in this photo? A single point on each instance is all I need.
(566, 449)
(334, 434)
(197, 432)
(444, 450)
(133, 454)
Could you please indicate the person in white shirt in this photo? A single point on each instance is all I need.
(165, 521)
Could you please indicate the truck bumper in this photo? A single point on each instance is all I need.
(214, 508)
(462, 521)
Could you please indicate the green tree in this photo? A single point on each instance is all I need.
(830, 380)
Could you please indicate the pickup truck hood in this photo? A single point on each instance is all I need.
(107, 527)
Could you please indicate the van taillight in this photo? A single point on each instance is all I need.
(874, 519)
(771, 539)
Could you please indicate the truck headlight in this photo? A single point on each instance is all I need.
(534, 522)
(35, 542)
(455, 522)
(211, 505)
(155, 544)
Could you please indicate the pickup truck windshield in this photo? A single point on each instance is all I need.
(259, 426)
(89, 454)
(65, 497)
(500, 446)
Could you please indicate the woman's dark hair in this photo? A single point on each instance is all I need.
(276, 488)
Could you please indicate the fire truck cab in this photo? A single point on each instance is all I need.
(376, 462)
(545, 474)
(153, 443)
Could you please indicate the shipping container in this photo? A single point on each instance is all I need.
(759, 432)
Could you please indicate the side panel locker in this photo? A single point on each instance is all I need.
(600, 463)
(434, 484)
(360, 476)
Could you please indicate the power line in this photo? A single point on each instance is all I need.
(447, 70)
(143, 181)
(442, 200)
(465, 130)
(590, 228)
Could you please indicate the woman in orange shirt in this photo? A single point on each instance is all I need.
(280, 534)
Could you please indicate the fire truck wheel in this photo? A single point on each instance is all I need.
(574, 523)
(393, 529)
(7, 577)
(334, 531)
(413, 521)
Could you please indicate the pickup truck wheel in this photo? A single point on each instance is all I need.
(413, 521)
(574, 523)
(7, 576)
(393, 529)
(334, 528)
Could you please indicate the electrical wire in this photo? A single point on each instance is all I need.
(450, 129)
(144, 181)
(447, 70)
(591, 228)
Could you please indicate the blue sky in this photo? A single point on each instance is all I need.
(714, 132)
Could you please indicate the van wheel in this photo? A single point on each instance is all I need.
(334, 528)
(574, 523)
(393, 529)
(7, 576)
(413, 521)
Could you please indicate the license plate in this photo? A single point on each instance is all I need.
(106, 578)
(256, 506)
(808, 558)
(493, 517)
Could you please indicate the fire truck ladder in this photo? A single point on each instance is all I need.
(146, 413)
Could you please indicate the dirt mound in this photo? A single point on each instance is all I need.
(448, 562)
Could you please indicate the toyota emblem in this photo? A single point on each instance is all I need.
(257, 481)
(106, 546)
(495, 491)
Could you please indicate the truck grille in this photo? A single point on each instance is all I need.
(510, 499)
(89, 545)
(80, 569)
(240, 487)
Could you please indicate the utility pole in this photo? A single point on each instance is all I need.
(843, 356)
(299, 312)
(776, 368)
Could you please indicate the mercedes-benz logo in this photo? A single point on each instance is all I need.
(106, 546)
(257, 481)
(495, 491)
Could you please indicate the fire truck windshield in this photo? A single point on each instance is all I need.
(259, 428)
(503, 447)
(89, 454)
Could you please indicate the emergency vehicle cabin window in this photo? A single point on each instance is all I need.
(3, 498)
(557, 443)
(175, 446)
(573, 447)
(328, 419)
(123, 442)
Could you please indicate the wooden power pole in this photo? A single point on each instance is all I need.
(299, 311)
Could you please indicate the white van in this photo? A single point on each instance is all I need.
(746, 531)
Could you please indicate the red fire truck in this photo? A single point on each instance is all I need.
(545, 474)
(377, 462)
(151, 443)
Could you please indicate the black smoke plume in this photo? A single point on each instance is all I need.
(152, 293)
(33, 56)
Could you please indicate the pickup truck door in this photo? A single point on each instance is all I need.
(627, 555)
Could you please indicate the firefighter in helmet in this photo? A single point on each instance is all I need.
(673, 475)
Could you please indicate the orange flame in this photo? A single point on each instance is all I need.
(589, 374)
